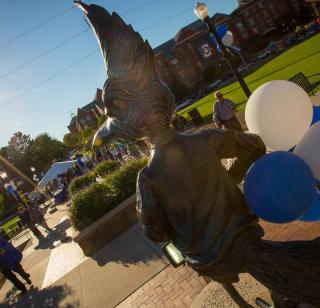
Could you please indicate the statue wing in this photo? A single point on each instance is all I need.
(126, 55)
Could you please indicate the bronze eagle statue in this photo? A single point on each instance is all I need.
(184, 194)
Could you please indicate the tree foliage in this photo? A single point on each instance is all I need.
(72, 140)
(18, 146)
(101, 119)
(23, 152)
(46, 149)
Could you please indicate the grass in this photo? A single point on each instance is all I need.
(304, 58)
(9, 225)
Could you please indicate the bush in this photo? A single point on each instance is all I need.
(90, 204)
(81, 182)
(106, 167)
(123, 181)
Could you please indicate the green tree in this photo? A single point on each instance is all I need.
(44, 150)
(72, 140)
(101, 119)
(17, 151)
(18, 145)
(86, 135)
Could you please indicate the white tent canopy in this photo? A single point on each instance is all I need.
(54, 171)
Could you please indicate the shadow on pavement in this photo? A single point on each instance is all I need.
(58, 233)
(131, 247)
(35, 298)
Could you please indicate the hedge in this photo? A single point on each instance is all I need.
(106, 167)
(93, 202)
(81, 182)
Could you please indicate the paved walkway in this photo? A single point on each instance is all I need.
(64, 277)
(183, 288)
(128, 272)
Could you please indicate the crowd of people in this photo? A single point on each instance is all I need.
(86, 163)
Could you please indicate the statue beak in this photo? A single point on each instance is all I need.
(82, 6)
(104, 135)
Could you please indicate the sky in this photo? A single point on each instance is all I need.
(42, 85)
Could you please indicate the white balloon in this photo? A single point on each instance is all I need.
(280, 112)
(309, 149)
(227, 39)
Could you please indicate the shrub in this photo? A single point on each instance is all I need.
(90, 204)
(123, 181)
(81, 182)
(106, 167)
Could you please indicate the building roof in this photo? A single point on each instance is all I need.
(72, 122)
(166, 48)
(198, 25)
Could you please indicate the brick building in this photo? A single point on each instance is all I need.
(87, 116)
(184, 58)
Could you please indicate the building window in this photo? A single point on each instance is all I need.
(82, 121)
(88, 118)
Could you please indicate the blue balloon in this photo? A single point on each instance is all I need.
(221, 30)
(314, 213)
(10, 189)
(279, 187)
(316, 114)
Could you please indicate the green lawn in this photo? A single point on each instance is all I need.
(10, 224)
(304, 58)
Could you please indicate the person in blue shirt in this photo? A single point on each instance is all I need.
(224, 113)
(10, 259)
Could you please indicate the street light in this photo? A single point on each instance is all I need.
(202, 11)
(33, 169)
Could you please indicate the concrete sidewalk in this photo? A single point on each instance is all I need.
(64, 277)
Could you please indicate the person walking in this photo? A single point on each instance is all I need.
(37, 216)
(10, 262)
(224, 113)
(26, 220)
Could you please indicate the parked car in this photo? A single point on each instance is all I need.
(184, 104)
(264, 54)
(214, 84)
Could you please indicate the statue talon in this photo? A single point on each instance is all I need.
(184, 194)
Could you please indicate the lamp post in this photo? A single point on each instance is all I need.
(201, 10)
